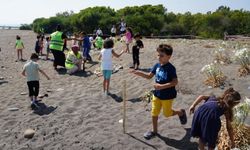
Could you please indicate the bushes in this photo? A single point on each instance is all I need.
(148, 19)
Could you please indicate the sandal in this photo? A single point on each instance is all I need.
(183, 118)
(150, 134)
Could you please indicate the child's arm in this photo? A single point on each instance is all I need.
(23, 45)
(196, 102)
(23, 72)
(117, 55)
(173, 83)
(230, 130)
(100, 57)
(44, 74)
(142, 74)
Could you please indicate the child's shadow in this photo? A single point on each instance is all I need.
(117, 98)
(184, 143)
(44, 109)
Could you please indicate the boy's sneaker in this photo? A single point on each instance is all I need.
(183, 118)
(34, 104)
(149, 135)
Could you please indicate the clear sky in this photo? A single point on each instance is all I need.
(15, 12)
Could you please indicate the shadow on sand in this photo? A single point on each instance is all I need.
(117, 98)
(44, 109)
(184, 143)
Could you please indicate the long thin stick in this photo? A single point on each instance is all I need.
(124, 106)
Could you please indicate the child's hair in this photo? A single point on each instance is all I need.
(137, 35)
(84, 33)
(108, 43)
(228, 100)
(164, 48)
(34, 56)
(18, 37)
(47, 38)
(38, 36)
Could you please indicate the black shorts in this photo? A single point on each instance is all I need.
(33, 88)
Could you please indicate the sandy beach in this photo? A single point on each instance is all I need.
(77, 116)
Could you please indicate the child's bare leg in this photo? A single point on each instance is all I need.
(108, 82)
(155, 123)
(201, 145)
(21, 52)
(177, 112)
(17, 54)
(104, 85)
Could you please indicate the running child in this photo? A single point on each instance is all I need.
(31, 70)
(206, 120)
(106, 62)
(136, 51)
(165, 92)
(19, 46)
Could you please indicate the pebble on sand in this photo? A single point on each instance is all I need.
(23, 93)
(29, 133)
(1, 78)
(13, 109)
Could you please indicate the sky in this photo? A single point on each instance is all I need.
(16, 12)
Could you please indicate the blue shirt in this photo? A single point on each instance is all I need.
(164, 74)
(86, 42)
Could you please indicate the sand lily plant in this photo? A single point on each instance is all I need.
(215, 77)
(242, 56)
(222, 56)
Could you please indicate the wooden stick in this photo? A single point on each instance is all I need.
(124, 106)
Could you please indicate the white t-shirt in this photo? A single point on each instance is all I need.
(99, 32)
(123, 26)
(113, 30)
(106, 59)
(32, 71)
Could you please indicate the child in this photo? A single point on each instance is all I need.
(31, 70)
(98, 42)
(106, 63)
(47, 47)
(37, 45)
(19, 47)
(136, 51)
(41, 44)
(86, 47)
(206, 121)
(128, 36)
(165, 92)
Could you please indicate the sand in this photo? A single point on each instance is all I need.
(77, 116)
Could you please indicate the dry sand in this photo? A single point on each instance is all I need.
(79, 117)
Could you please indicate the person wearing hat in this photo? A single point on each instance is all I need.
(136, 50)
(74, 60)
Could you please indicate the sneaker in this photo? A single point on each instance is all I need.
(183, 118)
(34, 104)
(149, 135)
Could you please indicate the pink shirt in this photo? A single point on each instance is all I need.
(128, 37)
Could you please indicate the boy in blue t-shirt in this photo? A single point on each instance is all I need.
(86, 46)
(165, 92)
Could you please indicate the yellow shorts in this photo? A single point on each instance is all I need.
(157, 104)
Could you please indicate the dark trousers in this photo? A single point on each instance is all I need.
(33, 88)
(86, 53)
(135, 55)
(59, 58)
